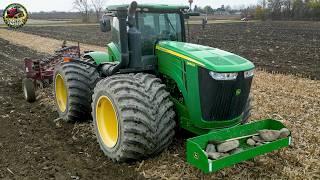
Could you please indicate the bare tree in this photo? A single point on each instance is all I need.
(98, 6)
(290, 9)
(228, 8)
(263, 3)
(83, 7)
(299, 9)
(287, 8)
(275, 7)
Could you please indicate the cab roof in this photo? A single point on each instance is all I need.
(150, 7)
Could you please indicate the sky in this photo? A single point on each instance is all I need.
(66, 5)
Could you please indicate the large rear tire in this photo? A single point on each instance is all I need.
(73, 86)
(133, 116)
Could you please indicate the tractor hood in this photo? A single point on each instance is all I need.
(211, 58)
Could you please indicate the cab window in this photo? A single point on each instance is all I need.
(115, 31)
(158, 26)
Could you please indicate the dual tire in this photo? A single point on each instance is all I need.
(141, 113)
(132, 114)
(73, 87)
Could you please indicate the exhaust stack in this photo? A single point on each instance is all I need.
(130, 41)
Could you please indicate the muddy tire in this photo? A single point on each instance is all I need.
(247, 111)
(141, 113)
(73, 88)
(29, 90)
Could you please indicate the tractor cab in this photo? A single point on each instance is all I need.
(161, 22)
(159, 26)
(140, 31)
(154, 26)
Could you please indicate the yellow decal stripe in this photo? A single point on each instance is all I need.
(179, 55)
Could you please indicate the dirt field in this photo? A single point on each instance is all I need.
(41, 44)
(34, 146)
(90, 34)
(38, 22)
(286, 47)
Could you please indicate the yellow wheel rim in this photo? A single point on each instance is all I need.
(107, 121)
(61, 93)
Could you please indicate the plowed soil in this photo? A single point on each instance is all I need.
(33, 145)
(286, 47)
(90, 34)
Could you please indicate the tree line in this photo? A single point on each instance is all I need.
(274, 9)
(87, 7)
(288, 9)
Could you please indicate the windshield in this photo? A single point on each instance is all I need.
(158, 26)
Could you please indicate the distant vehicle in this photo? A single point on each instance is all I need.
(245, 19)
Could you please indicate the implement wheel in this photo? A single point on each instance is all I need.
(133, 116)
(29, 90)
(73, 89)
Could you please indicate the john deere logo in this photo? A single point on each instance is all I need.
(15, 15)
(196, 155)
(238, 92)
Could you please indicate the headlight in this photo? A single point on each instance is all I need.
(248, 74)
(223, 76)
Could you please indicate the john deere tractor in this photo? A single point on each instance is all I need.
(151, 81)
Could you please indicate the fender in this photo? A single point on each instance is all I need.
(99, 57)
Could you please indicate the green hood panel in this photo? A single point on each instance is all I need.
(211, 58)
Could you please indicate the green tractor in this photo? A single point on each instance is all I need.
(151, 81)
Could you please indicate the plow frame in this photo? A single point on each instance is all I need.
(41, 71)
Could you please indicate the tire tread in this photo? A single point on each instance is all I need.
(145, 109)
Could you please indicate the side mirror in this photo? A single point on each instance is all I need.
(105, 24)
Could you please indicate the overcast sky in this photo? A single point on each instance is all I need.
(66, 5)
